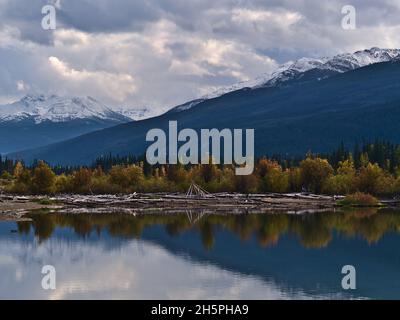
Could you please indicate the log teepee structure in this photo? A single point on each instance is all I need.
(196, 191)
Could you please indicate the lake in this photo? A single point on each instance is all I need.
(195, 255)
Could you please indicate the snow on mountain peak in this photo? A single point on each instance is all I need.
(340, 63)
(350, 61)
(54, 108)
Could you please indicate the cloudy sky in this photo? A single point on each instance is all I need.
(160, 53)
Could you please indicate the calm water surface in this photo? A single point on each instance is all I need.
(198, 256)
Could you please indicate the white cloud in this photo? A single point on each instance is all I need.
(284, 18)
(22, 86)
(162, 53)
(134, 270)
(116, 86)
(188, 68)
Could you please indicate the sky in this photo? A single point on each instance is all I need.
(160, 53)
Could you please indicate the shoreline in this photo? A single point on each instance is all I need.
(14, 207)
(225, 203)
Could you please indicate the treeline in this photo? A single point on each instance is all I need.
(373, 169)
(313, 174)
(384, 153)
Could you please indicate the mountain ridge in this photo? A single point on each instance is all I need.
(323, 67)
(38, 120)
(314, 115)
(40, 108)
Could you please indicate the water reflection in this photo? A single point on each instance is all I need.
(312, 230)
(197, 255)
(129, 270)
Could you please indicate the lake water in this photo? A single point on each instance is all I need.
(202, 256)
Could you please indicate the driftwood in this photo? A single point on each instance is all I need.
(141, 203)
(137, 203)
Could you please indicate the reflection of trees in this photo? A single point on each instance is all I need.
(83, 225)
(310, 238)
(24, 227)
(44, 225)
(177, 226)
(122, 227)
(271, 228)
(376, 227)
(313, 230)
(244, 225)
(207, 235)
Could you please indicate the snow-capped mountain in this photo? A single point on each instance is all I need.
(38, 120)
(41, 108)
(304, 115)
(338, 64)
(294, 70)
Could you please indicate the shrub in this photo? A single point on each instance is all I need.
(360, 199)
(6, 175)
(18, 188)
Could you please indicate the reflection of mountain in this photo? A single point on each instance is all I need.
(236, 243)
(294, 267)
(135, 270)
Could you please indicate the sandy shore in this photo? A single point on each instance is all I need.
(14, 209)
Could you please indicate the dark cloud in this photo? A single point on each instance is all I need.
(26, 16)
(108, 16)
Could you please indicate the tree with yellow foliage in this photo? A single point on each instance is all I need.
(344, 182)
(43, 179)
(314, 173)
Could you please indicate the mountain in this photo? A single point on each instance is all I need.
(38, 120)
(295, 71)
(135, 114)
(40, 108)
(316, 115)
